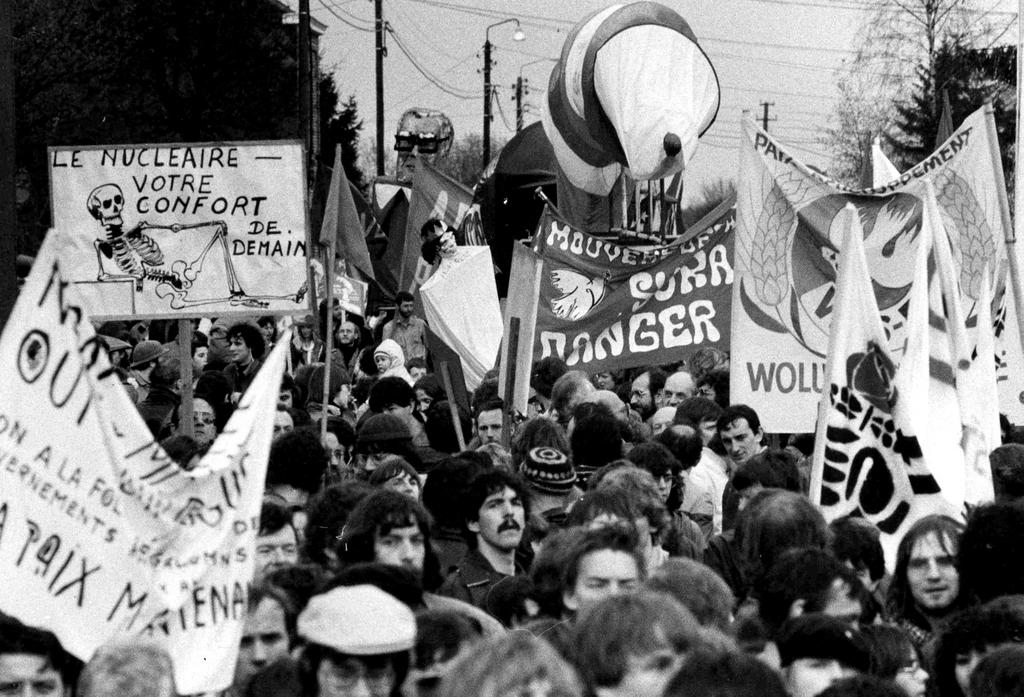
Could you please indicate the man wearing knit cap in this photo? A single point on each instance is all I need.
(550, 479)
(145, 356)
(358, 640)
(381, 435)
(816, 650)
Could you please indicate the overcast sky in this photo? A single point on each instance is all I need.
(781, 51)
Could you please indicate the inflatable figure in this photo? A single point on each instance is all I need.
(632, 90)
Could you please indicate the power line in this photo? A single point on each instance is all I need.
(437, 82)
(341, 15)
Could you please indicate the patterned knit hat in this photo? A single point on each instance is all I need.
(547, 469)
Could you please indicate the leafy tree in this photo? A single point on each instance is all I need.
(134, 71)
(340, 125)
(896, 38)
(969, 77)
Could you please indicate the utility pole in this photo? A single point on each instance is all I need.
(519, 103)
(305, 90)
(487, 102)
(8, 212)
(764, 117)
(378, 9)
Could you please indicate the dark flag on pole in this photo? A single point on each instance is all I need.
(945, 129)
(342, 224)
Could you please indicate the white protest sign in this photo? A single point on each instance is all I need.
(206, 229)
(460, 303)
(101, 534)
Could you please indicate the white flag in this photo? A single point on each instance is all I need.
(867, 459)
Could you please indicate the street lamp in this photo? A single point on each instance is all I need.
(518, 35)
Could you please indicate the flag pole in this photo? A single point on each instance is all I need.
(1009, 226)
(339, 179)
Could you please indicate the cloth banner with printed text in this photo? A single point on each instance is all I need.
(787, 252)
(196, 230)
(101, 533)
(868, 459)
(606, 306)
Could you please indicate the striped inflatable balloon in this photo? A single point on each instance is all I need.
(632, 89)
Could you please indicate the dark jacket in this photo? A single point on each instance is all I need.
(472, 580)
(157, 407)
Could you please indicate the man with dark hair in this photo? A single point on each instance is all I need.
(487, 421)
(805, 581)
(545, 373)
(245, 353)
(739, 429)
(769, 469)
(33, 663)
(601, 562)
(495, 506)
(441, 637)
(440, 428)
(817, 651)
(857, 543)
(295, 470)
(988, 562)
(596, 440)
(417, 368)
(388, 528)
(442, 498)
(392, 395)
(646, 392)
(409, 331)
(1007, 463)
(277, 542)
(724, 674)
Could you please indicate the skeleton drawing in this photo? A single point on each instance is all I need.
(139, 258)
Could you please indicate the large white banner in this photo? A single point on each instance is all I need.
(204, 229)
(101, 533)
(788, 248)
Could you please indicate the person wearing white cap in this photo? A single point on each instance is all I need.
(358, 640)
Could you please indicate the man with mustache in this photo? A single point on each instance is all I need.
(495, 508)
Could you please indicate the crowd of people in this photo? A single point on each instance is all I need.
(632, 534)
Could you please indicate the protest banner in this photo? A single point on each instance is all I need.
(101, 533)
(787, 249)
(460, 303)
(606, 306)
(435, 195)
(206, 229)
(867, 460)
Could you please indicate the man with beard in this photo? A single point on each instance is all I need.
(646, 393)
(495, 509)
(409, 331)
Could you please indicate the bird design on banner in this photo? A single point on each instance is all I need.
(580, 294)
